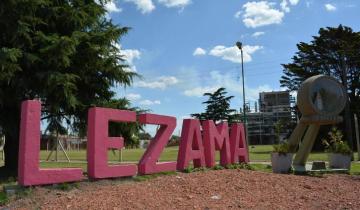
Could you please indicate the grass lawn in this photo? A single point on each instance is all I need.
(262, 153)
(131, 155)
(258, 153)
(355, 168)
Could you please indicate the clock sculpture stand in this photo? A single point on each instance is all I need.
(320, 100)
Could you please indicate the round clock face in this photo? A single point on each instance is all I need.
(327, 96)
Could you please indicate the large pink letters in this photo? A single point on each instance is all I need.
(216, 138)
(191, 145)
(239, 152)
(99, 143)
(29, 172)
(148, 163)
(194, 146)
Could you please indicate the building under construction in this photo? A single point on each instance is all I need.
(274, 118)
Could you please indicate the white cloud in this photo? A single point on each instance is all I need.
(258, 33)
(238, 14)
(175, 3)
(230, 83)
(149, 102)
(227, 80)
(145, 6)
(285, 4)
(199, 91)
(261, 13)
(160, 83)
(294, 2)
(112, 7)
(253, 93)
(330, 7)
(133, 96)
(129, 56)
(233, 54)
(199, 51)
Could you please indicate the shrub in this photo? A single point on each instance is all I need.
(66, 186)
(335, 143)
(239, 166)
(282, 148)
(3, 198)
(218, 167)
(188, 169)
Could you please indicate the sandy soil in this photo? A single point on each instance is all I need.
(225, 189)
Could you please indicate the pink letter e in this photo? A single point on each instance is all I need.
(99, 142)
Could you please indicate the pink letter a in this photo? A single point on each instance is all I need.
(216, 138)
(239, 152)
(191, 145)
(29, 148)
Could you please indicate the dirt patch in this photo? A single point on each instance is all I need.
(225, 189)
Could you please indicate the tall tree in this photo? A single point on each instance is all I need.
(217, 107)
(61, 52)
(334, 52)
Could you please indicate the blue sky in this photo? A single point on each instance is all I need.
(184, 48)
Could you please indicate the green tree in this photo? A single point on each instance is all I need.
(174, 141)
(129, 131)
(61, 52)
(334, 52)
(144, 136)
(217, 107)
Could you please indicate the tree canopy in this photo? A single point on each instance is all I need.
(334, 52)
(217, 107)
(63, 53)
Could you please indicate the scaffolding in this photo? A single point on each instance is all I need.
(274, 107)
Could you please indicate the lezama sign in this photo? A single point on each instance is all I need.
(196, 146)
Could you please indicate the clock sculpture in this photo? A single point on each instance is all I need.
(320, 100)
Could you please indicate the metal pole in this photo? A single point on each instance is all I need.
(244, 104)
(347, 111)
(239, 45)
(261, 121)
(57, 146)
(120, 155)
(243, 84)
(357, 135)
(63, 149)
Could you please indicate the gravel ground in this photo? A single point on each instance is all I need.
(225, 189)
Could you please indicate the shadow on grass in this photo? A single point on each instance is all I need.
(261, 152)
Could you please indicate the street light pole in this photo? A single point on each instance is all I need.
(239, 45)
